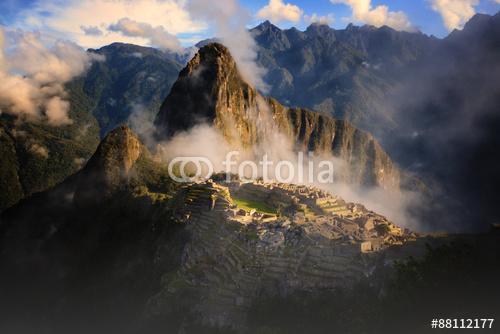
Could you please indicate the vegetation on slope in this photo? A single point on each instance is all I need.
(458, 280)
(37, 156)
(248, 205)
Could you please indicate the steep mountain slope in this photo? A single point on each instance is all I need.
(36, 156)
(211, 90)
(130, 79)
(120, 162)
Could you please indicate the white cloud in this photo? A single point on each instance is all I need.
(455, 13)
(67, 18)
(39, 150)
(56, 110)
(157, 36)
(229, 20)
(315, 18)
(277, 11)
(32, 76)
(362, 11)
(91, 30)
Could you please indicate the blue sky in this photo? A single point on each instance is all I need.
(87, 22)
(419, 12)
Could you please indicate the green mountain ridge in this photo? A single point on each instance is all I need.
(37, 156)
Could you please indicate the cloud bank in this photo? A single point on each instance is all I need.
(32, 76)
(277, 11)
(157, 36)
(91, 30)
(362, 11)
(455, 13)
(80, 21)
(315, 18)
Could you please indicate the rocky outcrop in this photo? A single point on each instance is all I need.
(211, 90)
(109, 167)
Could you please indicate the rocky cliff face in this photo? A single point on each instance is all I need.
(211, 90)
(347, 73)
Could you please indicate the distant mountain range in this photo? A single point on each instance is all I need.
(346, 73)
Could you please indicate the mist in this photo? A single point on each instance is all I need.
(33, 75)
(229, 20)
(206, 141)
(448, 120)
(158, 36)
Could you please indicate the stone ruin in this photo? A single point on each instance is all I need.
(304, 205)
(315, 240)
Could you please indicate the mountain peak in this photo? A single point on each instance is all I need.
(318, 28)
(117, 153)
(481, 27)
(211, 91)
(123, 49)
(477, 23)
(198, 90)
(266, 25)
(121, 145)
(214, 56)
(270, 36)
(214, 50)
(110, 166)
